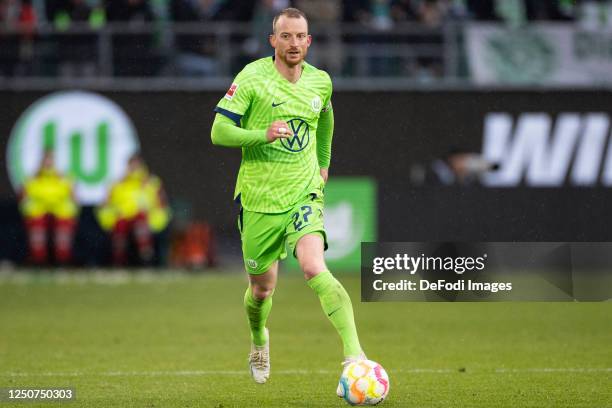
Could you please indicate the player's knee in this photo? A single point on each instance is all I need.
(312, 268)
(262, 292)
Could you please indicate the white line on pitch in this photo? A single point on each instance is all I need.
(553, 370)
(196, 373)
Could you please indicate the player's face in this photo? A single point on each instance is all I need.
(291, 40)
(48, 161)
(134, 164)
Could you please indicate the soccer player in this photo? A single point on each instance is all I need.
(278, 110)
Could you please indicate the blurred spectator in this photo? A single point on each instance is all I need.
(193, 247)
(325, 11)
(356, 11)
(17, 52)
(257, 44)
(63, 12)
(458, 9)
(482, 10)
(593, 14)
(205, 10)
(9, 12)
(196, 10)
(77, 51)
(133, 53)
(328, 53)
(28, 18)
(160, 10)
(458, 167)
(136, 11)
(403, 11)
(430, 12)
(376, 13)
(194, 52)
(19, 14)
(381, 14)
(238, 10)
(433, 12)
(192, 242)
(136, 207)
(548, 10)
(520, 11)
(49, 208)
(153, 48)
(321, 11)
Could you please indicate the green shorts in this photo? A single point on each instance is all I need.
(264, 236)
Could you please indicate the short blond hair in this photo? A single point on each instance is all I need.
(290, 13)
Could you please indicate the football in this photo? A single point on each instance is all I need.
(363, 382)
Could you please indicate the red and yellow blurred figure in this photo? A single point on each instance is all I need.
(136, 206)
(48, 206)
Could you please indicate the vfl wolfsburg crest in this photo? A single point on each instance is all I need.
(316, 104)
(520, 56)
(300, 138)
(91, 136)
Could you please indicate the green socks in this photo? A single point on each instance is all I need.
(337, 306)
(334, 300)
(257, 313)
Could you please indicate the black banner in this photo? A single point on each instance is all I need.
(384, 134)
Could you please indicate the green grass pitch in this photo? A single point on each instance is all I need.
(176, 340)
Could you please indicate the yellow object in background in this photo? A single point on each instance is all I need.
(159, 214)
(48, 193)
(138, 192)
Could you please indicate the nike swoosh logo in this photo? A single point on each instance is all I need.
(274, 105)
(329, 314)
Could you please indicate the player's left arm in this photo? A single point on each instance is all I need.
(325, 133)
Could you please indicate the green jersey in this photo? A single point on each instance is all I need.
(275, 176)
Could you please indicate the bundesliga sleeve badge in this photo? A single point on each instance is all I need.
(231, 91)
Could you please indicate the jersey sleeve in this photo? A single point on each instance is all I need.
(325, 129)
(327, 100)
(237, 100)
(225, 133)
(325, 133)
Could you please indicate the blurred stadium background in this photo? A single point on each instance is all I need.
(456, 120)
(508, 98)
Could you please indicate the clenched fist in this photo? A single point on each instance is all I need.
(278, 130)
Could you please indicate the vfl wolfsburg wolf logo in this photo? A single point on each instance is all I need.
(91, 136)
(521, 56)
(300, 138)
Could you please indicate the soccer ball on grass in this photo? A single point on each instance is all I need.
(363, 382)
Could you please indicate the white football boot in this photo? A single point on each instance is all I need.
(345, 363)
(349, 360)
(259, 361)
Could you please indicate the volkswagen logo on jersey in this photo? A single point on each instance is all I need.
(301, 136)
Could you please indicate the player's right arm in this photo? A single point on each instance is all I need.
(227, 128)
(226, 133)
